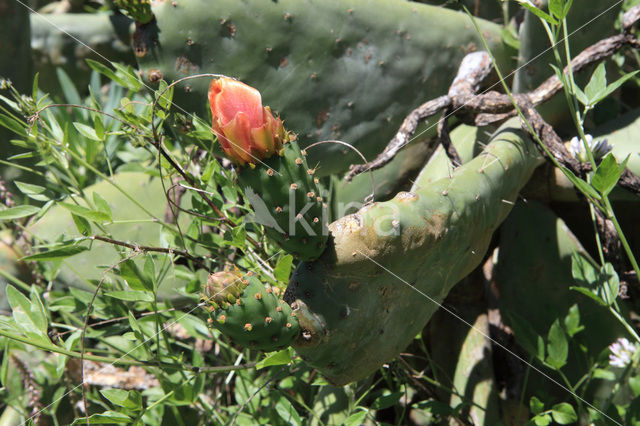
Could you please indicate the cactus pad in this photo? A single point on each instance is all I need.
(250, 313)
(287, 199)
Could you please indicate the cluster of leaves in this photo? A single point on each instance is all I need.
(95, 293)
(87, 166)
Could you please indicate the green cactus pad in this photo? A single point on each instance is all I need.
(288, 201)
(324, 65)
(250, 313)
(138, 10)
(390, 265)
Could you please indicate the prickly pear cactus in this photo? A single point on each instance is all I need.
(271, 168)
(289, 203)
(355, 313)
(324, 65)
(250, 313)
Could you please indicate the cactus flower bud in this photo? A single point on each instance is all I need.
(247, 131)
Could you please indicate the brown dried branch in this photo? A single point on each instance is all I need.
(492, 106)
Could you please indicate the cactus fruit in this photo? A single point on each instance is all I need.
(356, 314)
(250, 313)
(138, 10)
(272, 170)
(324, 65)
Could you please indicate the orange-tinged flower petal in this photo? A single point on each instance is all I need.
(237, 134)
(263, 141)
(247, 132)
(229, 97)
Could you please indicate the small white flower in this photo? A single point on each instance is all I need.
(621, 352)
(599, 148)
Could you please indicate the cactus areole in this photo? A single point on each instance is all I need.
(272, 170)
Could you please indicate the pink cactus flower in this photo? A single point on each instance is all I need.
(247, 131)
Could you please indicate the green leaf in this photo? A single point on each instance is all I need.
(583, 270)
(510, 38)
(57, 253)
(38, 311)
(610, 284)
(355, 419)
(102, 205)
(283, 268)
(86, 131)
(600, 373)
(556, 7)
(98, 127)
(136, 279)
(589, 294)
(542, 420)
(107, 72)
(127, 399)
(580, 95)
(583, 186)
(388, 399)
(127, 74)
(539, 13)
(18, 212)
(597, 83)
(32, 191)
(131, 295)
(614, 86)
(91, 215)
(28, 317)
(82, 224)
(564, 413)
(277, 358)
(608, 173)
(557, 346)
(15, 126)
(287, 412)
(164, 100)
(535, 405)
(107, 417)
(572, 321)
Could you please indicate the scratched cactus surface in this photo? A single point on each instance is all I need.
(349, 70)
(358, 305)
